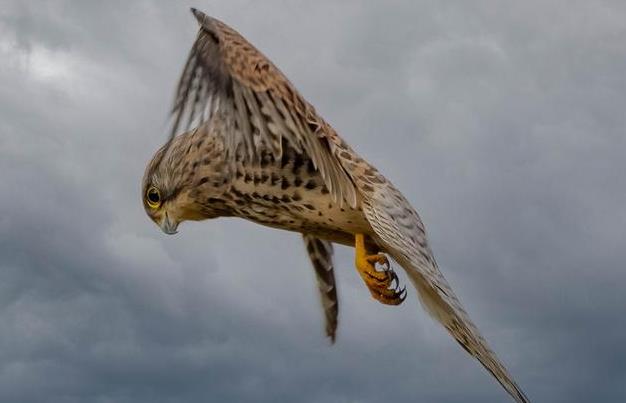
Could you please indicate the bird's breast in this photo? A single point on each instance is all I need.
(290, 194)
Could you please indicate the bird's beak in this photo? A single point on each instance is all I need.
(168, 226)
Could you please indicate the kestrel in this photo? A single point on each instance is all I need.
(260, 151)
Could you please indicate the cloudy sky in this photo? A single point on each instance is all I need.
(502, 122)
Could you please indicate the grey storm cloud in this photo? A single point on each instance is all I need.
(503, 123)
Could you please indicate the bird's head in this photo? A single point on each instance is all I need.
(181, 182)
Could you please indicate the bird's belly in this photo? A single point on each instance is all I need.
(295, 202)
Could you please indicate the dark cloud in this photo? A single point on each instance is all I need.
(504, 124)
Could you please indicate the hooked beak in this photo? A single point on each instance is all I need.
(168, 226)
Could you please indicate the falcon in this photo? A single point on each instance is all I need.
(259, 151)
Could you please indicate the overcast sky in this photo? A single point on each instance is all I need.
(502, 122)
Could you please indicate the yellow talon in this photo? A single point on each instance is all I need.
(378, 282)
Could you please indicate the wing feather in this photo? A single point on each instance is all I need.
(260, 107)
(400, 231)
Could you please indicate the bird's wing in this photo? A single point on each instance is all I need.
(227, 76)
(321, 255)
(399, 230)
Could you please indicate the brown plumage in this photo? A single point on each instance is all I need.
(259, 151)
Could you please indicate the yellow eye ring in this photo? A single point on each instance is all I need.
(153, 197)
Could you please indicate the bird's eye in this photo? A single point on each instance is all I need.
(153, 197)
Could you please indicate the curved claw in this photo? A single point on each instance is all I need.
(383, 282)
(384, 294)
(393, 277)
(402, 295)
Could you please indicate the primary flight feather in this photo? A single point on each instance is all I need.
(261, 152)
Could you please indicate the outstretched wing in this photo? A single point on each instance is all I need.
(399, 230)
(228, 78)
(321, 255)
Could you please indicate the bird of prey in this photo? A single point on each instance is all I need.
(259, 151)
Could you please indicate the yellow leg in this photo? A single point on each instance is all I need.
(379, 282)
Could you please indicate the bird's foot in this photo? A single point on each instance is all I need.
(379, 282)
